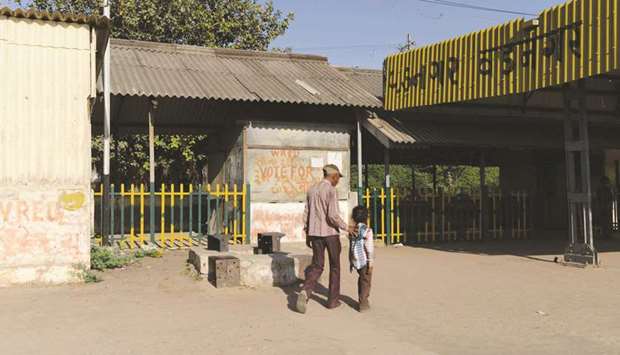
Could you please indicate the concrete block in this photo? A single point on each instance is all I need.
(199, 257)
(224, 270)
(278, 269)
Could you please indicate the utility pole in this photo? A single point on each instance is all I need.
(107, 230)
(409, 43)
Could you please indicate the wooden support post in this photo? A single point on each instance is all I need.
(152, 109)
(388, 187)
(360, 187)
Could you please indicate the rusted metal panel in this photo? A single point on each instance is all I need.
(571, 41)
(167, 70)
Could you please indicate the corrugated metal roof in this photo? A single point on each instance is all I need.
(370, 79)
(169, 70)
(394, 133)
(93, 20)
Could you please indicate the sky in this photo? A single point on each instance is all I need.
(363, 32)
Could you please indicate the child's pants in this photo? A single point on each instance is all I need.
(363, 283)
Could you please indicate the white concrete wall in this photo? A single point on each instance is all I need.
(285, 218)
(48, 76)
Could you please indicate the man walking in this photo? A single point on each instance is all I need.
(323, 224)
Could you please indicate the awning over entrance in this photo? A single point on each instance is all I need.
(393, 133)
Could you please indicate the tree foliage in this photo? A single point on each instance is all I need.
(449, 178)
(241, 24)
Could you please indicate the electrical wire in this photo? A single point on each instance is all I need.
(475, 7)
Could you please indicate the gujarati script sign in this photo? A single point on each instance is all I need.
(575, 40)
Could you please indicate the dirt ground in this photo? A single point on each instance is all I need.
(495, 298)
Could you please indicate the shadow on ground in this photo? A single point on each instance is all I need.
(319, 296)
(541, 248)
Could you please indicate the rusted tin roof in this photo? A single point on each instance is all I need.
(181, 71)
(370, 79)
(93, 20)
(402, 134)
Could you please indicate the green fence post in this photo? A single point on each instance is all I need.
(191, 209)
(199, 211)
(360, 196)
(375, 221)
(248, 215)
(122, 211)
(111, 235)
(152, 211)
(181, 205)
(388, 216)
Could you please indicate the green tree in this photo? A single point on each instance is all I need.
(242, 24)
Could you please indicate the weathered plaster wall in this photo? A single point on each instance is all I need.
(44, 234)
(283, 161)
(48, 72)
(285, 218)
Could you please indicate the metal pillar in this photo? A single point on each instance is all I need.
(152, 109)
(388, 207)
(578, 179)
(413, 188)
(483, 199)
(366, 173)
(359, 163)
(434, 178)
(106, 198)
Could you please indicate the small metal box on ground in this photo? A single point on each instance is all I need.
(224, 271)
(269, 243)
(218, 242)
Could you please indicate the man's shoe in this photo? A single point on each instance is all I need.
(302, 302)
(364, 306)
(332, 305)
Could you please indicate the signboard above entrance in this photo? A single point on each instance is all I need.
(575, 40)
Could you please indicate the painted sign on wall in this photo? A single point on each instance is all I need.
(285, 175)
(46, 232)
(575, 40)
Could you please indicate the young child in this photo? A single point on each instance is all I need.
(361, 255)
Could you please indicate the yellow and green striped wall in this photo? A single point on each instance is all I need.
(568, 42)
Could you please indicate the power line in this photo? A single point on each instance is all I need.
(352, 46)
(475, 7)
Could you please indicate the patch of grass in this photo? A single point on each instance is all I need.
(154, 253)
(87, 275)
(102, 258)
(151, 253)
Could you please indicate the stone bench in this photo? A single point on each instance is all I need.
(279, 269)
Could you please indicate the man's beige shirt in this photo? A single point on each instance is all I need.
(322, 215)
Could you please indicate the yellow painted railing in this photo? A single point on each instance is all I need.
(186, 214)
(383, 217)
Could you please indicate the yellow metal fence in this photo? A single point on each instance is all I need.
(424, 216)
(384, 213)
(177, 215)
